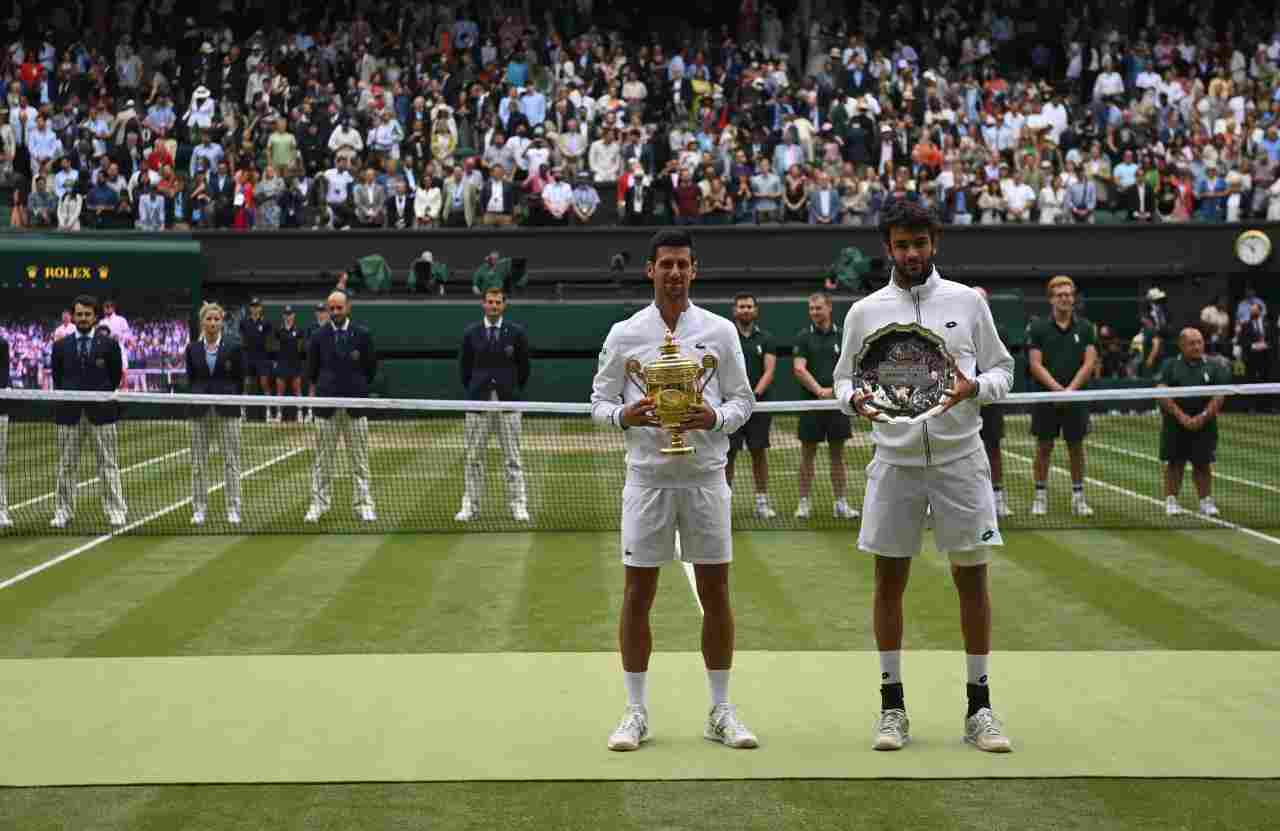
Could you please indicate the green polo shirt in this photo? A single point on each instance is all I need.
(1061, 350)
(1178, 372)
(821, 350)
(754, 347)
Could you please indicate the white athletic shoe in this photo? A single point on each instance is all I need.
(1208, 507)
(841, 510)
(313, 514)
(59, 520)
(197, 518)
(893, 730)
(233, 517)
(724, 726)
(985, 732)
(632, 732)
(764, 510)
(300, 418)
(368, 515)
(1171, 506)
(116, 520)
(1040, 505)
(1002, 505)
(1079, 507)
(5, 521)
(802, 509)
(467, 513)
(520, 513)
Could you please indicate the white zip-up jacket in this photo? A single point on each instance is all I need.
(698, 333)
(963, 319)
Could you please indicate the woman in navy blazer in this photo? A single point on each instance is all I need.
(214, 367)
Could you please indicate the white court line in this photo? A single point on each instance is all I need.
(688, 573)
(97, 541)
(157, 460)
(1144, 498)
(1145, 457)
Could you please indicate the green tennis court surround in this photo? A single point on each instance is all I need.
(368, 718)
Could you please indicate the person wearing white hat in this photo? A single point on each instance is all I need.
(199, 115)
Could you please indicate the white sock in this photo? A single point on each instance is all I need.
(1173, 500)
(977, 668)
(637, 689)
(719, 681)
(762, 499)
(891, 667)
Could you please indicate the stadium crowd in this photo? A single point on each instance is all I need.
(147, 346)
(372, 115)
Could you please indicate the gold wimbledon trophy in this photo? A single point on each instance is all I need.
(675, 384)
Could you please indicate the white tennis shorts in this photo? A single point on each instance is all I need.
(651, 517)
(964, 509)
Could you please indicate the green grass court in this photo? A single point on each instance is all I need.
(1128, 649)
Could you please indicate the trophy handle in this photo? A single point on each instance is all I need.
(709, 367)
(635, 374)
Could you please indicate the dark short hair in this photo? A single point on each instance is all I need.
(86, 300)
(745, 295)
(496, 290)
(671, 238)
(904, 213)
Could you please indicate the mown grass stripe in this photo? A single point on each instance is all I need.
(1125, 599)
(569, 596)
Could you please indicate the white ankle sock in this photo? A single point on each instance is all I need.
(637, 689)
(977, 668)
(719, 681)
(891, 667)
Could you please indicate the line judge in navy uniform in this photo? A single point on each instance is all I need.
(255, 332)
(494, 361)
(214, 367)
(341, 363)
(86, 361)
(5, 521)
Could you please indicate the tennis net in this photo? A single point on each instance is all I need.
(570, 471)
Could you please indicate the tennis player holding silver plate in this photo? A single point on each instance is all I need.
(906, 373)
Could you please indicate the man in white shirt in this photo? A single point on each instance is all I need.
(114, 321)
(675, 501)
(938, 464)
(42, 143)
(337, 182)
(605, 158)
(1019, 199)
(1109, 83)
(557, 197)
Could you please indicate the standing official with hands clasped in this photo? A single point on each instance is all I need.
(761, 355)
(291, 352)
(938, 463)
(341, 363)
(214, 367)
(666, 495)
(86, 361)
(494, 362)
(1189, 432)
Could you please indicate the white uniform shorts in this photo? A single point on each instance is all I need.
(652, 516)
(959, 492)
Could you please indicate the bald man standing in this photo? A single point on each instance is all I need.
(341, 363)
(1190, 429)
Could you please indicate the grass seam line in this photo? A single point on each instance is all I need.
(79, 485)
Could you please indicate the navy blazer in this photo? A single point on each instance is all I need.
(487, 368)
(100, 373)
(4, 376)
(227, 377)
(341, 371)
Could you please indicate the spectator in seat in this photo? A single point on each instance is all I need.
(824, 202)
(586, 200)
(766, 188)
(370, 202)
(1020, 199)
(399, 209)
(557, 198)
(428, 201)
(687, 201)
(605, 158)
(42, 206)
(635, 196)
(498, 198)
(459, 201)
(1082, 201)
(69, 209)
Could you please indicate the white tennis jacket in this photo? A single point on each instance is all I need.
(963, 319)
(698, 333)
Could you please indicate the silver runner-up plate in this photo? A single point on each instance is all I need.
(907, 370)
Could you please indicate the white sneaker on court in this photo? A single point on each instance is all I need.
(763, 509)
(519, 512)
(116, 520)
(313, 514)
(632, 731)
(1079, 507)
(724, 726)
(233, 517)
(59, 520)
(1040, 505)
(197, 518)
(802, 509)
(1171, 506)
(367, 515)
(841, 510)
(984, 731)
(893, 730)
(467, 513)
(1002, 504)
(1208, 507)
(5, 521)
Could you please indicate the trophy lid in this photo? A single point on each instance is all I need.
(671, 357)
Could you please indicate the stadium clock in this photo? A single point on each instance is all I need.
(1253, 247)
